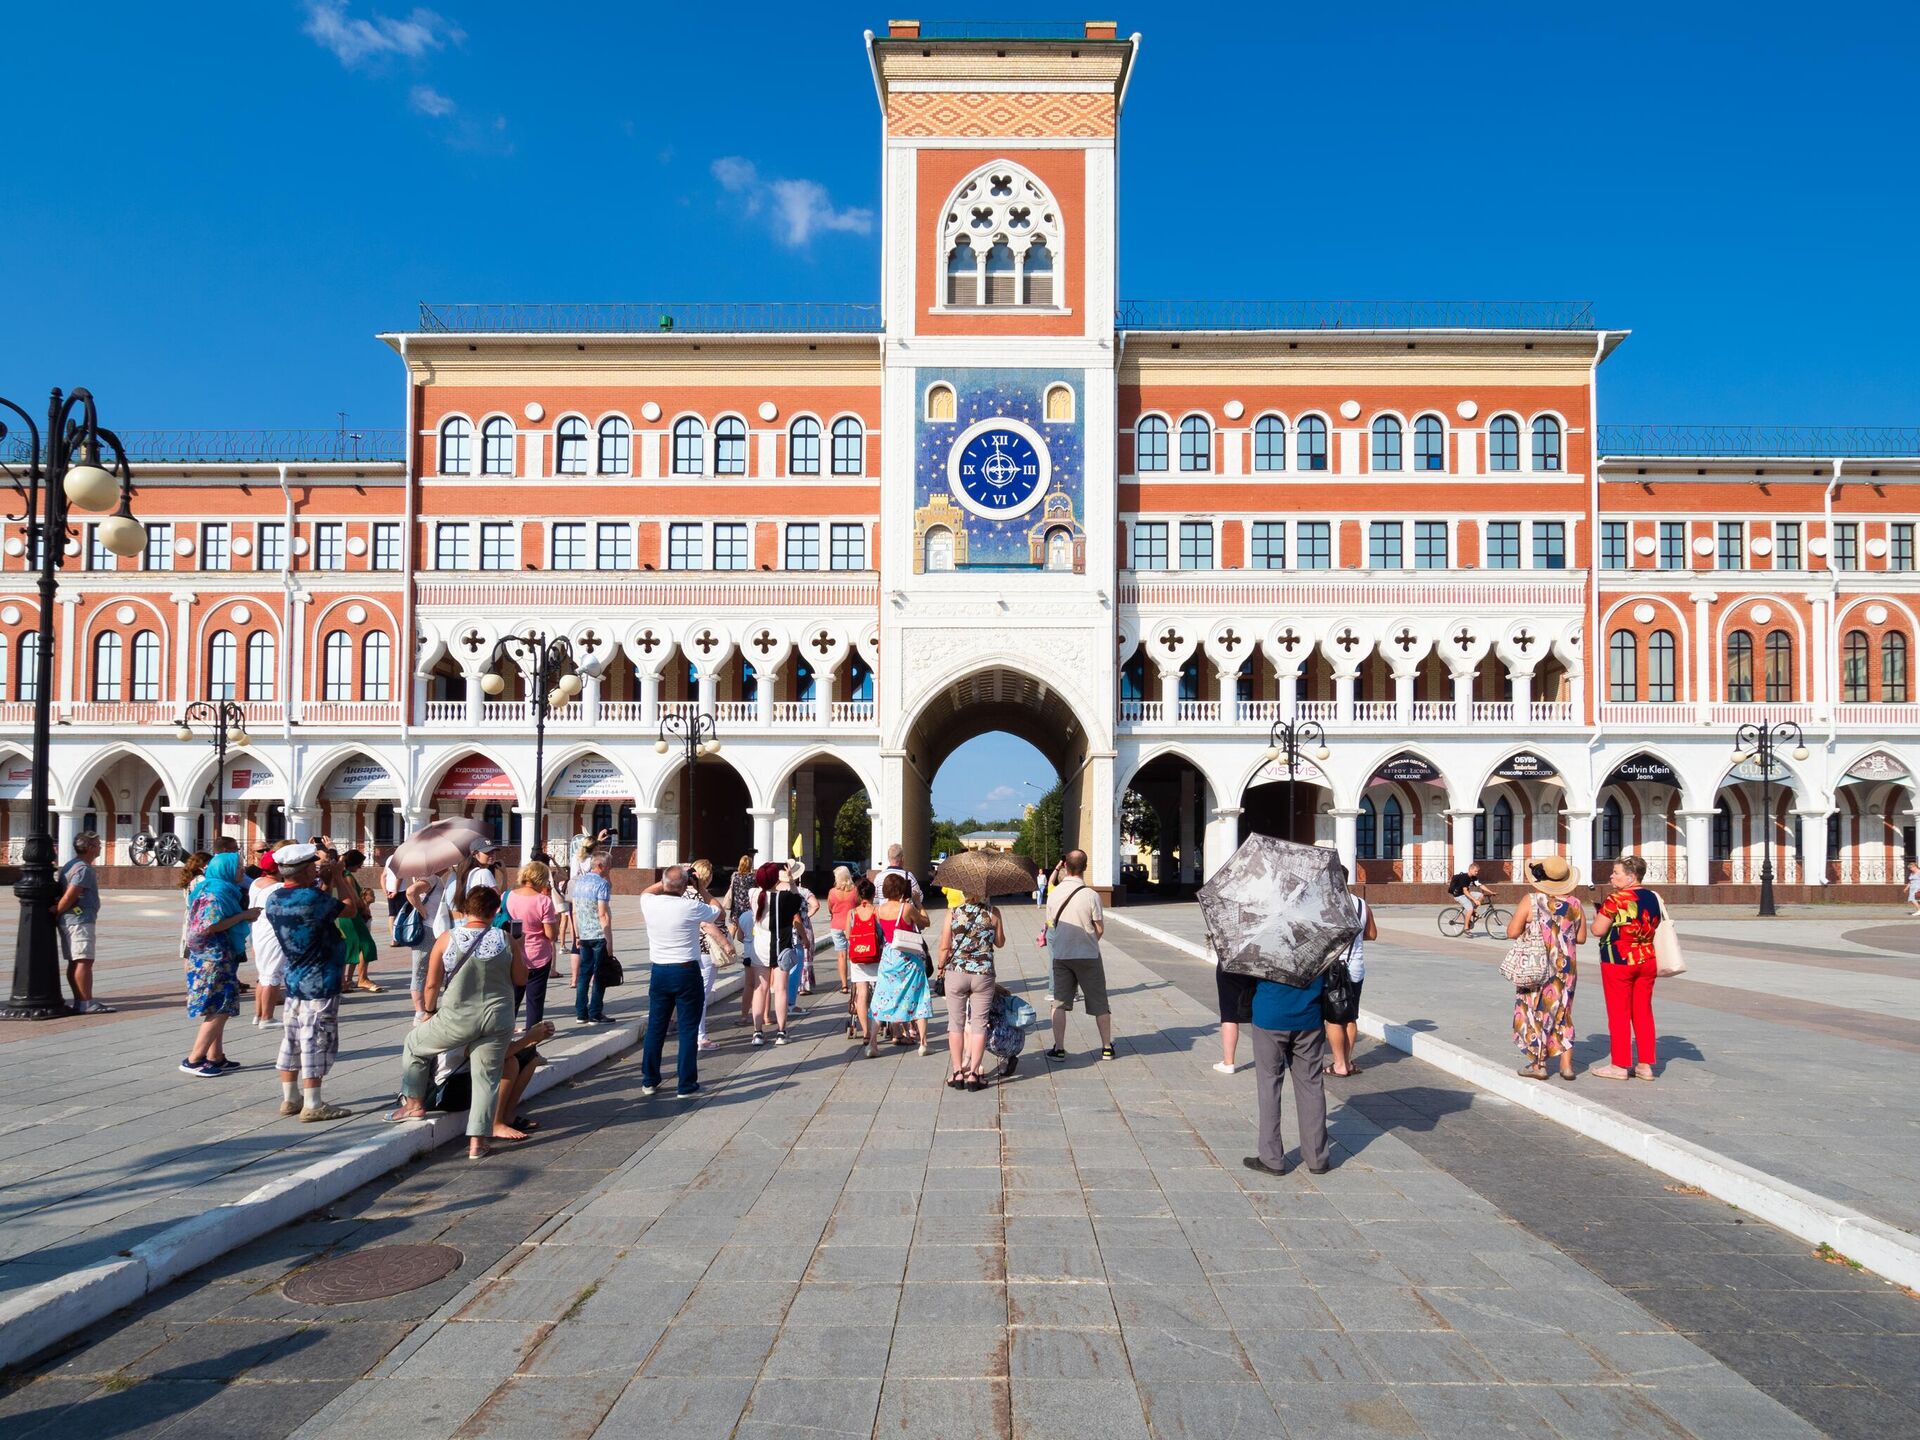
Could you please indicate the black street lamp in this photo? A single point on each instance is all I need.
(227, 725)
(556, 680)
(1757, 743)
(63, 474)
(1285, 740)
(698, 735)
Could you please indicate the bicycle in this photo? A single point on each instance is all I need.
(147, 848)
(1487, 917)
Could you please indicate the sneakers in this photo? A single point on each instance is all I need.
(324, 1111)
(688, 1093)
(757, 1039)
(289, 1107)
(229, 1064)
(1225, 1069)
(1106, 1052)
(708, 1045)
(1609, 1072)
(205, 1069)
(1056, 1053)
(649, 1089)
(780, 1037)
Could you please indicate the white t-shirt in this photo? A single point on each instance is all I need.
(267, 954)
(445, 908)
(673, 927)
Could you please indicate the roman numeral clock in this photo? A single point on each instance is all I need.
(999, 468)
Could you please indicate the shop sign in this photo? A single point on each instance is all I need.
(16, 779)
(1525, 766)
(475, 778)
(1305, 772)
(1643, 767)
(592, 777)
(250, 781)
(1408, 769)
(1878, 765)
(359, 780)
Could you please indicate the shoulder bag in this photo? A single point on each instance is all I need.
(1527, 964)
(1667, 959)
(908, 942)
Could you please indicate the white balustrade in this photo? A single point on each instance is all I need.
(1256, 712)
(621, 712)
(505, 712)
(346, 712)
(736, 712)
(1433, 712)
(685, 709)
(793, 712)
(1320, 710)
(1552, 712)
(1198, 712)
(1890, 715)
(1493, 712)
(1758, 714)
(1644, 713)
(1375, 712)
(446, 712)
(853, 712)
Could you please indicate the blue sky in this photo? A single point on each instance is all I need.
(250, 190)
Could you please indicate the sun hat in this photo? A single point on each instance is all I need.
(298, 853)
(267, 864)
(1551, 875)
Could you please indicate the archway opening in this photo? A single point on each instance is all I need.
(360, 805)
(711, 816)
(1300, 811)
(1163, 824)
(820, 819)
(997, 791)
(1522, 814)
(121, 799)
(1638, 813)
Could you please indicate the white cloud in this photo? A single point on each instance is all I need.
(999, 793)
(798, 210)
(354, 40)
(429, 101)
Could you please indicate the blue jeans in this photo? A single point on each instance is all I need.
(793, 982)
(673, 990)
(589, 991)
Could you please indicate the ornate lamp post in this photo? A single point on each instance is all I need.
(697, 735)
(227, 725)
(1757, 743)
(556, 680)
(63, 473)
(1284, 742)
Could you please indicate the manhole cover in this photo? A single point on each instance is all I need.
(372, 1274)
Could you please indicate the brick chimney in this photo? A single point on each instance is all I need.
(903, 29)
(1103, 29)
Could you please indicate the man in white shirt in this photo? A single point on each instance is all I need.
(1075, 924)
(675, 922)
(896, 865)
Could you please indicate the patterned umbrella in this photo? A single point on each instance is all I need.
(1278, 910)
(437, 847)
(986, 873)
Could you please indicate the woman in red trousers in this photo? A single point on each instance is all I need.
(1624, 926)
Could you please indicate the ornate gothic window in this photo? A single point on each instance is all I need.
(1000, 238)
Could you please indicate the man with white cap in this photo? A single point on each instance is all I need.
(302, 915)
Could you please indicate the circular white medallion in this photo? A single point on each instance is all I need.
(72, 547)
(1876, 547)
(1762, 614)
(769, 410)
(242, 545)
(1876, 614)
(650, 411)
(15, 545)
(241, 614)
(299, 544)
(1233, 409)
(124, 614)
(1349, 409)
(535, 410)
(356, 614)
(1817, 545)
(1644, 545)
(998, 468)
(1762, 545)
(1703, 545)
(11, 615)
(356, 545)
(1643, 614)
(1467, 409)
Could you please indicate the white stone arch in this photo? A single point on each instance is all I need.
(1362, 779)
(200, 776)
(1910, 782)
(707, 659)
(556, 765)
(79, 785)
(1346, 659)
(434, 768)
(1892, 602)
(1691, 772)
(1160, 750)
(853, 760)
(1406, 661)
(1570, 769)
(56, 791)
(675, 760)
(317, 771)
(1230, 644)
(1288, 659)
(1094, 718)
(765, 643)
(649, 658)
(1021, 214)
(1330, 782)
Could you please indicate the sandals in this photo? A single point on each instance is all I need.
(974, 1082)
(956, 1081)
(1532, 1072)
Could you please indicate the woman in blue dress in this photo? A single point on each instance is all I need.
(903, 995)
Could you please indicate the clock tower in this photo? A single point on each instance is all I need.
(998, 558)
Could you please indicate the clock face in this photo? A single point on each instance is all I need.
(999, 468)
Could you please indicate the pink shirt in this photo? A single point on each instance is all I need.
(839, 906)
(533, 911)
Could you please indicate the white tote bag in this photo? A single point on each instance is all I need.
(1667, 959)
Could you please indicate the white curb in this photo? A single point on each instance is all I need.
(1880, 1247)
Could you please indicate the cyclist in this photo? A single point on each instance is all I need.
(1466, 888)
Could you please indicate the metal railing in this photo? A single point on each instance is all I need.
(1355, 315)
(1759, 441)
(1002, 30)
(746, 317)
(248, 447)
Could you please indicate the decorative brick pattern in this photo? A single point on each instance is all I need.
(918, 113)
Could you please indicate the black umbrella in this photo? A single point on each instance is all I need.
(1279, 911)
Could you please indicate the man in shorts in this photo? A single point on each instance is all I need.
(76, 913)
(1466, 889)
(1075, 924)
(302, 913)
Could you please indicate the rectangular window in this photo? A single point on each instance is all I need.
(686, 547)
(1613, 544)
(386, 546)
(159, 547)
(1846, 545)
(1314, 548)
(99, 557)
(1549, 544)
(1673, 545)
(569, 547)
(1383, 545)
(270, 546)
(730, 550)
(330, 547)
(613, 547)
(849, 547)
(36, 547)
(1730, 545)
(1268, 548)
(1150, 545)
(1196, 545)
(498, 547)
(1786, 545)
(213, 546)
(1503, 545)
(803, 548)
(450, 547)
(1900, 545)
(1430, 545)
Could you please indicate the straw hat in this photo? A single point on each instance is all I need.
(1551, 875)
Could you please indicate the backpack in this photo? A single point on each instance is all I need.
(863, 938)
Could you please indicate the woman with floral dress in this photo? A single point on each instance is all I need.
(216, 937)
(1543, 1016)
(903, 996)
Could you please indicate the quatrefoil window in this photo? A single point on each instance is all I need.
(1001, 247)
(1000, 185)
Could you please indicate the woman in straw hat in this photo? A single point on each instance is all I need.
(1543, 1017)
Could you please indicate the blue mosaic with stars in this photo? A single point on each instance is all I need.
(986, 395)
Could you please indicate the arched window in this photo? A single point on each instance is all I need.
(222, 658)
(1502, 829)
(689, 446)
(1662, 684)
(1059, 549)
(730, 446)
(1393, 841)
(1779, 665)
(1503, 443)
(1270, 443)
(1739, 667)
(496, 446)
(939, 549)
(1150, 443)
(803, 445)
(1312, 443)
(1037, 266)
(5, 673)
(1853, 668)
(570, 447)
(1546, 443)
(1002, 276)
(963, 272)
(337, 676)
(1429, 443)
(146, 666)
(616, 446)
(261, 663)
(603, 817)
(849, 446)
(1386, 443)
(456, 448)
(1196, 443)
(1720, 845)
(1059, 403)
(1613, 830)
(376, 666)
(28, 687)
(1623, 667)
(1893, 666)
(108, 654)
(1000, 233)
(940, 403)
(1366, 842)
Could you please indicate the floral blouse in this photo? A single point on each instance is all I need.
(1635, 915)
(973, 939)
